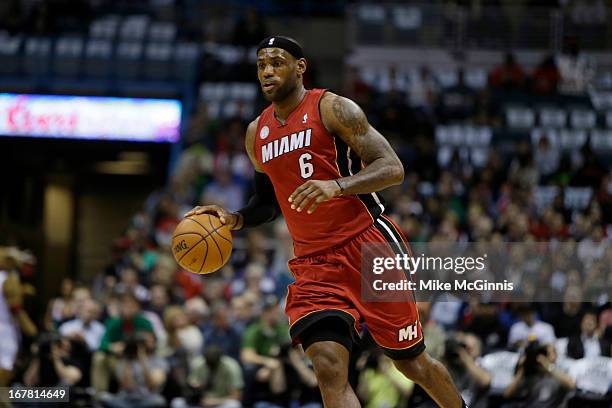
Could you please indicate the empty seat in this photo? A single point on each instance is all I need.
(36, 55)
(601, 140)
(68, 53)
(609, 120)
(477, 136)
(162, 31)
(583, 119)
(370, 24)
(10, 59)
(519, 117)
(186, 61)
(127, 62)
(134, 28)
(552, 117)
(104, 28)
(406, 23)
(158, 61)
(572, 139)
(98, 53)
(577, 198)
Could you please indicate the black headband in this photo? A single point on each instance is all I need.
(286, 43)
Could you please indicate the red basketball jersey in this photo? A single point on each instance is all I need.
(300, 150)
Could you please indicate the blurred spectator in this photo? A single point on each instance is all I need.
(61, 308)
(537, 381)
(507, 76)
(140, 374)
(224, 191)
(589, 343)
(220, 331)
(593, 247)
(546, 158)
(576, 69)
(528, 327)
(381, 384)
(546, 77)
(261, 345)
(218, 380)
(117, 333)
(85, 326)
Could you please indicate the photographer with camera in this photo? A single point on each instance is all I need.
(537, 383)
(460, 354)
(52, 364)
(140, 373)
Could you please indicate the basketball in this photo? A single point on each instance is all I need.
(201, 244)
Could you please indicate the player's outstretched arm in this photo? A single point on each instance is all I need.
(262, 206)
(383, 168)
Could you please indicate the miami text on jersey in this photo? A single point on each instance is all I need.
(285, 144)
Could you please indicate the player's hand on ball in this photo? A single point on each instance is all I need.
(309, 195)
(232, 220)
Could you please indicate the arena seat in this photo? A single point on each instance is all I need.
(162, 31)
(157, 61)
(520, 117)
(134, 28)
(406, 23)
(601, 140)
(371, 23)
(97, 62)
(185, 61)
(543, 196)
(68, 56)
(552, 117)
(9, 53)
(37, 55)
(572, 139)
(105, 27)
(127, 62)
(577, 198)
(582, 119)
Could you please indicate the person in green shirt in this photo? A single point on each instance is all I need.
(261, 346)
(117, 332)
(262, 339)
(219, 377)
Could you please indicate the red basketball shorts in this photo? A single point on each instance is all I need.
(329, 284)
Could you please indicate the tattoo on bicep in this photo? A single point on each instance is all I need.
(350, 117)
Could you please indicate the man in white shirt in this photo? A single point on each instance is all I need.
(85, 325)
(529, 328)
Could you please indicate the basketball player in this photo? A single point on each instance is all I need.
(320, 163)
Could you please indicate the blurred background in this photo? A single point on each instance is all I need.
(118, 116)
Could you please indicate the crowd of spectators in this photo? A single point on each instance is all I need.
(146, 333)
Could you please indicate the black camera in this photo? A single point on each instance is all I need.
(531, 353)
(46, 341)
(131, 345)
(451, 349)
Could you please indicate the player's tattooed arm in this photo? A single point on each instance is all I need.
(382, 168)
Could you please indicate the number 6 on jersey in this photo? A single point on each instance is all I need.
(306, 168)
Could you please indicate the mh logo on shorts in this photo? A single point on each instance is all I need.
(408, 333)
